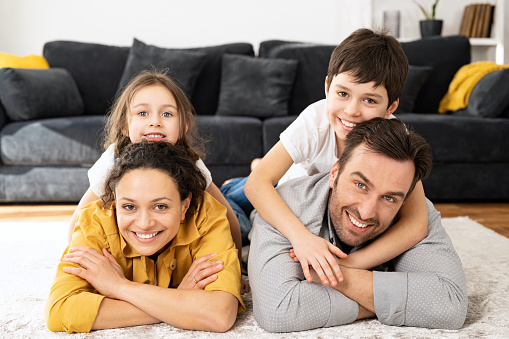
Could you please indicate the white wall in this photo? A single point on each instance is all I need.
(168, 23)
(25, 25)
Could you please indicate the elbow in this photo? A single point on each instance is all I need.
(221, 318)
(249, 187)
(272, 318)
(219, 321)
(53, 322)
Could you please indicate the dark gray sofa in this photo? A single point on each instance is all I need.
(48, 141)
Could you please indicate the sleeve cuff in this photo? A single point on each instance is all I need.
(390, 291)
(343, 310)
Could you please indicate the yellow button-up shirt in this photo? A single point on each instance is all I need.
(73, 304)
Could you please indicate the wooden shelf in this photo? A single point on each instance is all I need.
(488, 42)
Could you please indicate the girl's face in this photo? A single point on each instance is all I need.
(153, 115)
(149, 209)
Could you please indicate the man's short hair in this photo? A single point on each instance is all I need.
(371, 56)
(390, 137)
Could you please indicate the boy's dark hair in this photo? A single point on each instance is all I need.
(371, 56)
(390, 137)
(163, 156)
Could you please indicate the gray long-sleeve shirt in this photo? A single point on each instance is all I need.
(426, 289)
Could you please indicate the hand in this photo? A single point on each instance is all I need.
(244, 286)
(318, 253)
(101, 270)
(201, 273)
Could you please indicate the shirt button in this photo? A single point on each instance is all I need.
(173, 264)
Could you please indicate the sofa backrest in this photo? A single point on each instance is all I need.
(95, 68)
(313, 61)
(445, 55)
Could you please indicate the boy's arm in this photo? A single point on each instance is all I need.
(410, 229)
(309, 249)
(87, 198)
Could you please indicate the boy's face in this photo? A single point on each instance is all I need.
(350, 103)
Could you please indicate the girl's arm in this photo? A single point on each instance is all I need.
(87, 198)
(309, 249)
(234, 227)
(410, 229)
(230, 215)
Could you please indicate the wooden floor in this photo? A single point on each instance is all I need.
(494, 216)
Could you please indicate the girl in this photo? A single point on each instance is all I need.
(151, 107)
(142, 255)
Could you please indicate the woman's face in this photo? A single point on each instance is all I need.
(149, 209)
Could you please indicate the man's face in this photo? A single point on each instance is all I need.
(367, 194)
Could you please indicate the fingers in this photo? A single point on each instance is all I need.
(305, 270)
(244, 286)
(109, 256)
(207, 269)
(203, 259)
(202, 283)
(336, 251)
(80, 272)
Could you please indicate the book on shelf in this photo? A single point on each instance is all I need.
(477, 20)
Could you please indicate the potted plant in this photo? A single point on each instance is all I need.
(430, 26)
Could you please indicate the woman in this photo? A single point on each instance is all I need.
(143, 254)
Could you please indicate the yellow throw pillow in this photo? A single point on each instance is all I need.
(29, 61)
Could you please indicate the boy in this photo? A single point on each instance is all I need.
(365, 79)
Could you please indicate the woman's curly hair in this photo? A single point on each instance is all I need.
(163, 156)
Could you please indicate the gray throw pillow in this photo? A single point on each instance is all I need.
(256, 87)
(29, 94)
(184, 66)
(487, 98)
(416, 77)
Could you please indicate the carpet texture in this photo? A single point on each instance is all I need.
(30, 253)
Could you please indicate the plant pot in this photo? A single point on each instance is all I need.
(431, 27)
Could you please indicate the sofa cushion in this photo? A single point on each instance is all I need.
(73, 141)
(272, 129)
(309, 84)
(29, 94)
(95, 68)
(233, 143)
(256, 87)
(42, 184)
(445, 54)
(28, 61)
(461, 139)
(413, 84)
(485, 99)
(206, 91)
(183, 66)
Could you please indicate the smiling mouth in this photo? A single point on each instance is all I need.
(356, 222)
(155, 136)
(347, 124)
(147, 235)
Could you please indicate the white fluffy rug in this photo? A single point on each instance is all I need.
(30, 253)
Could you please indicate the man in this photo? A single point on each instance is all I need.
(350, 206)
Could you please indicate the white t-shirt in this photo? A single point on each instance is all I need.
(98, 173)
(311, 142)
